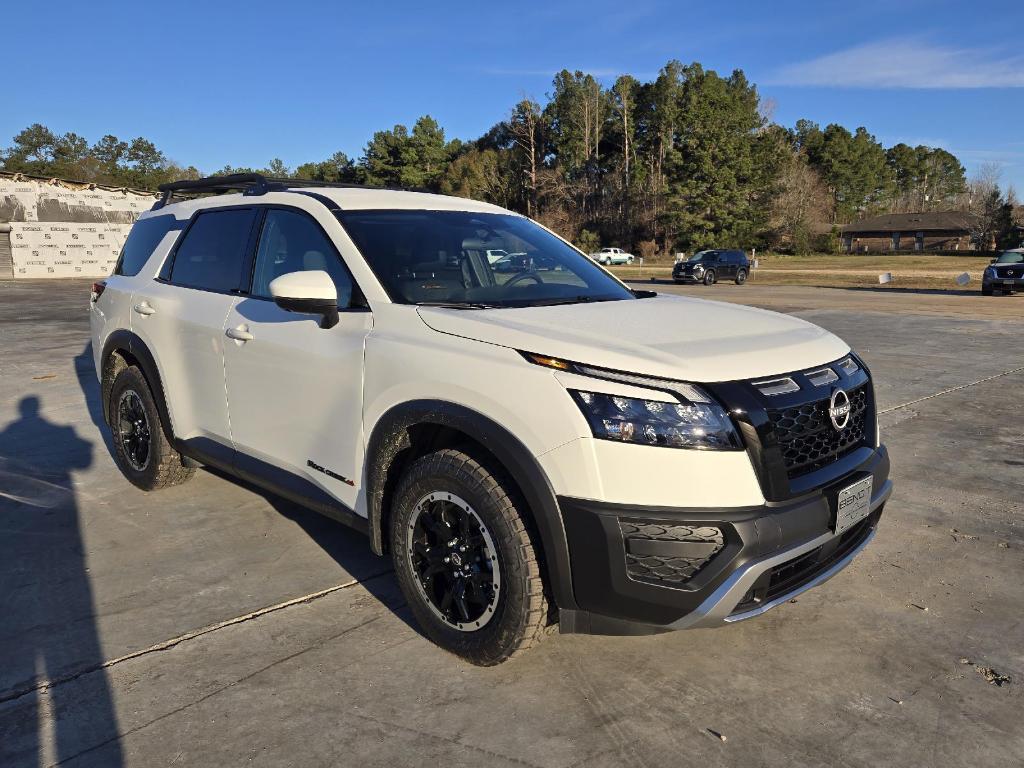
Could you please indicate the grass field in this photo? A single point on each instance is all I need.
(909, 271)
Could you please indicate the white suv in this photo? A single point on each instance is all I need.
(529, 448)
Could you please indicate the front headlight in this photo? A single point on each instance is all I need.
(701, 425)
(990, 272)
(698, 268)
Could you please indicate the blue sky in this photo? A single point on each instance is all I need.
(215, 83)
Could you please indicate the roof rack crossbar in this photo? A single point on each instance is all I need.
(246, 183)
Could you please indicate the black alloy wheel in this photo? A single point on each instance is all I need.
(133, 430)
(454, 560)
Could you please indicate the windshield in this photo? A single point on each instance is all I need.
(1010, 257)
(442, 257)
(704, 256)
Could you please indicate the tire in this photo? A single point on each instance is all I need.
(142, 447)
(741, 277)
(503, 606)
(986, 290)
(678, 282)
(709, 277)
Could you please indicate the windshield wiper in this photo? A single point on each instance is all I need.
(456, 304)
(573, 300)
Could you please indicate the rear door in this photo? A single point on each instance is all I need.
(294, 388)
(180, 316)
(729, 263)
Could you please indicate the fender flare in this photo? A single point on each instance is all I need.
(125, 341)
(390, 436)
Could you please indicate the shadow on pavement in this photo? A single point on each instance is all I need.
(48, 628)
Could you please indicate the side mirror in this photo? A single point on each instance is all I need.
(311, 292)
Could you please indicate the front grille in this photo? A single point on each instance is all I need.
(809, 441)
(664, 552)
(1017, 271)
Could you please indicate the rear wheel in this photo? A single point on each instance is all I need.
(709, 277)
(741, 277)
(465, 559)
(142, 449)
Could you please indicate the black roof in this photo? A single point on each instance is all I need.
(914, 222)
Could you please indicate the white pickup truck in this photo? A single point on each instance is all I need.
(612, 256)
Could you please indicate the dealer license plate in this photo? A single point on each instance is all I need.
(854, 504)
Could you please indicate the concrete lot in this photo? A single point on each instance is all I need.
(212, 625)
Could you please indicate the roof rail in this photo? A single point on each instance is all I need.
(247, 184)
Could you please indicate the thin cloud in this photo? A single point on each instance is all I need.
(901, 63)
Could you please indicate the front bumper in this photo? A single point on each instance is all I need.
(765, 556)
(1003, 283)
(687, 277)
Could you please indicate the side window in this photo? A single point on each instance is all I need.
(293, 242)
(145, 236)
(213, 250)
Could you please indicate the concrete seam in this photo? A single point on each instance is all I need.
(45, 685)
(951, 389)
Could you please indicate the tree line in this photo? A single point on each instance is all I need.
(688, 160)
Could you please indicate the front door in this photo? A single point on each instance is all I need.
(295, 389)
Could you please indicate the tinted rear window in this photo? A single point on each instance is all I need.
(213, 250)
(142, 240)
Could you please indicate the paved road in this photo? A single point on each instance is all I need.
(212, 625)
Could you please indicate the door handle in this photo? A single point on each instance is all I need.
(143, 308)
(241, 333)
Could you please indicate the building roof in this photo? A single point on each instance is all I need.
(914, 222)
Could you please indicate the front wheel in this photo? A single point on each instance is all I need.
(986, 290)
(709, 277)
(465, 559)
(741, 277)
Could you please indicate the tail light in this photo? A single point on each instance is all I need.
(97, 291)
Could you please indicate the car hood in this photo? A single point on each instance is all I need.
(670, 336)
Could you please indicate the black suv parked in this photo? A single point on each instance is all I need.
(708, 266)
(1005, 274)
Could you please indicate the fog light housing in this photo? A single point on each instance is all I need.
(668, 553)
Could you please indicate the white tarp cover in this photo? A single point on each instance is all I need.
(61, 232)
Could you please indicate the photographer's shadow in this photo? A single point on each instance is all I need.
(48, 633)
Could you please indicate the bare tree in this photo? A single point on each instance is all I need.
(803, 203)
(524, 127)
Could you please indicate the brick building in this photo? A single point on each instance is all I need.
(929, 231)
